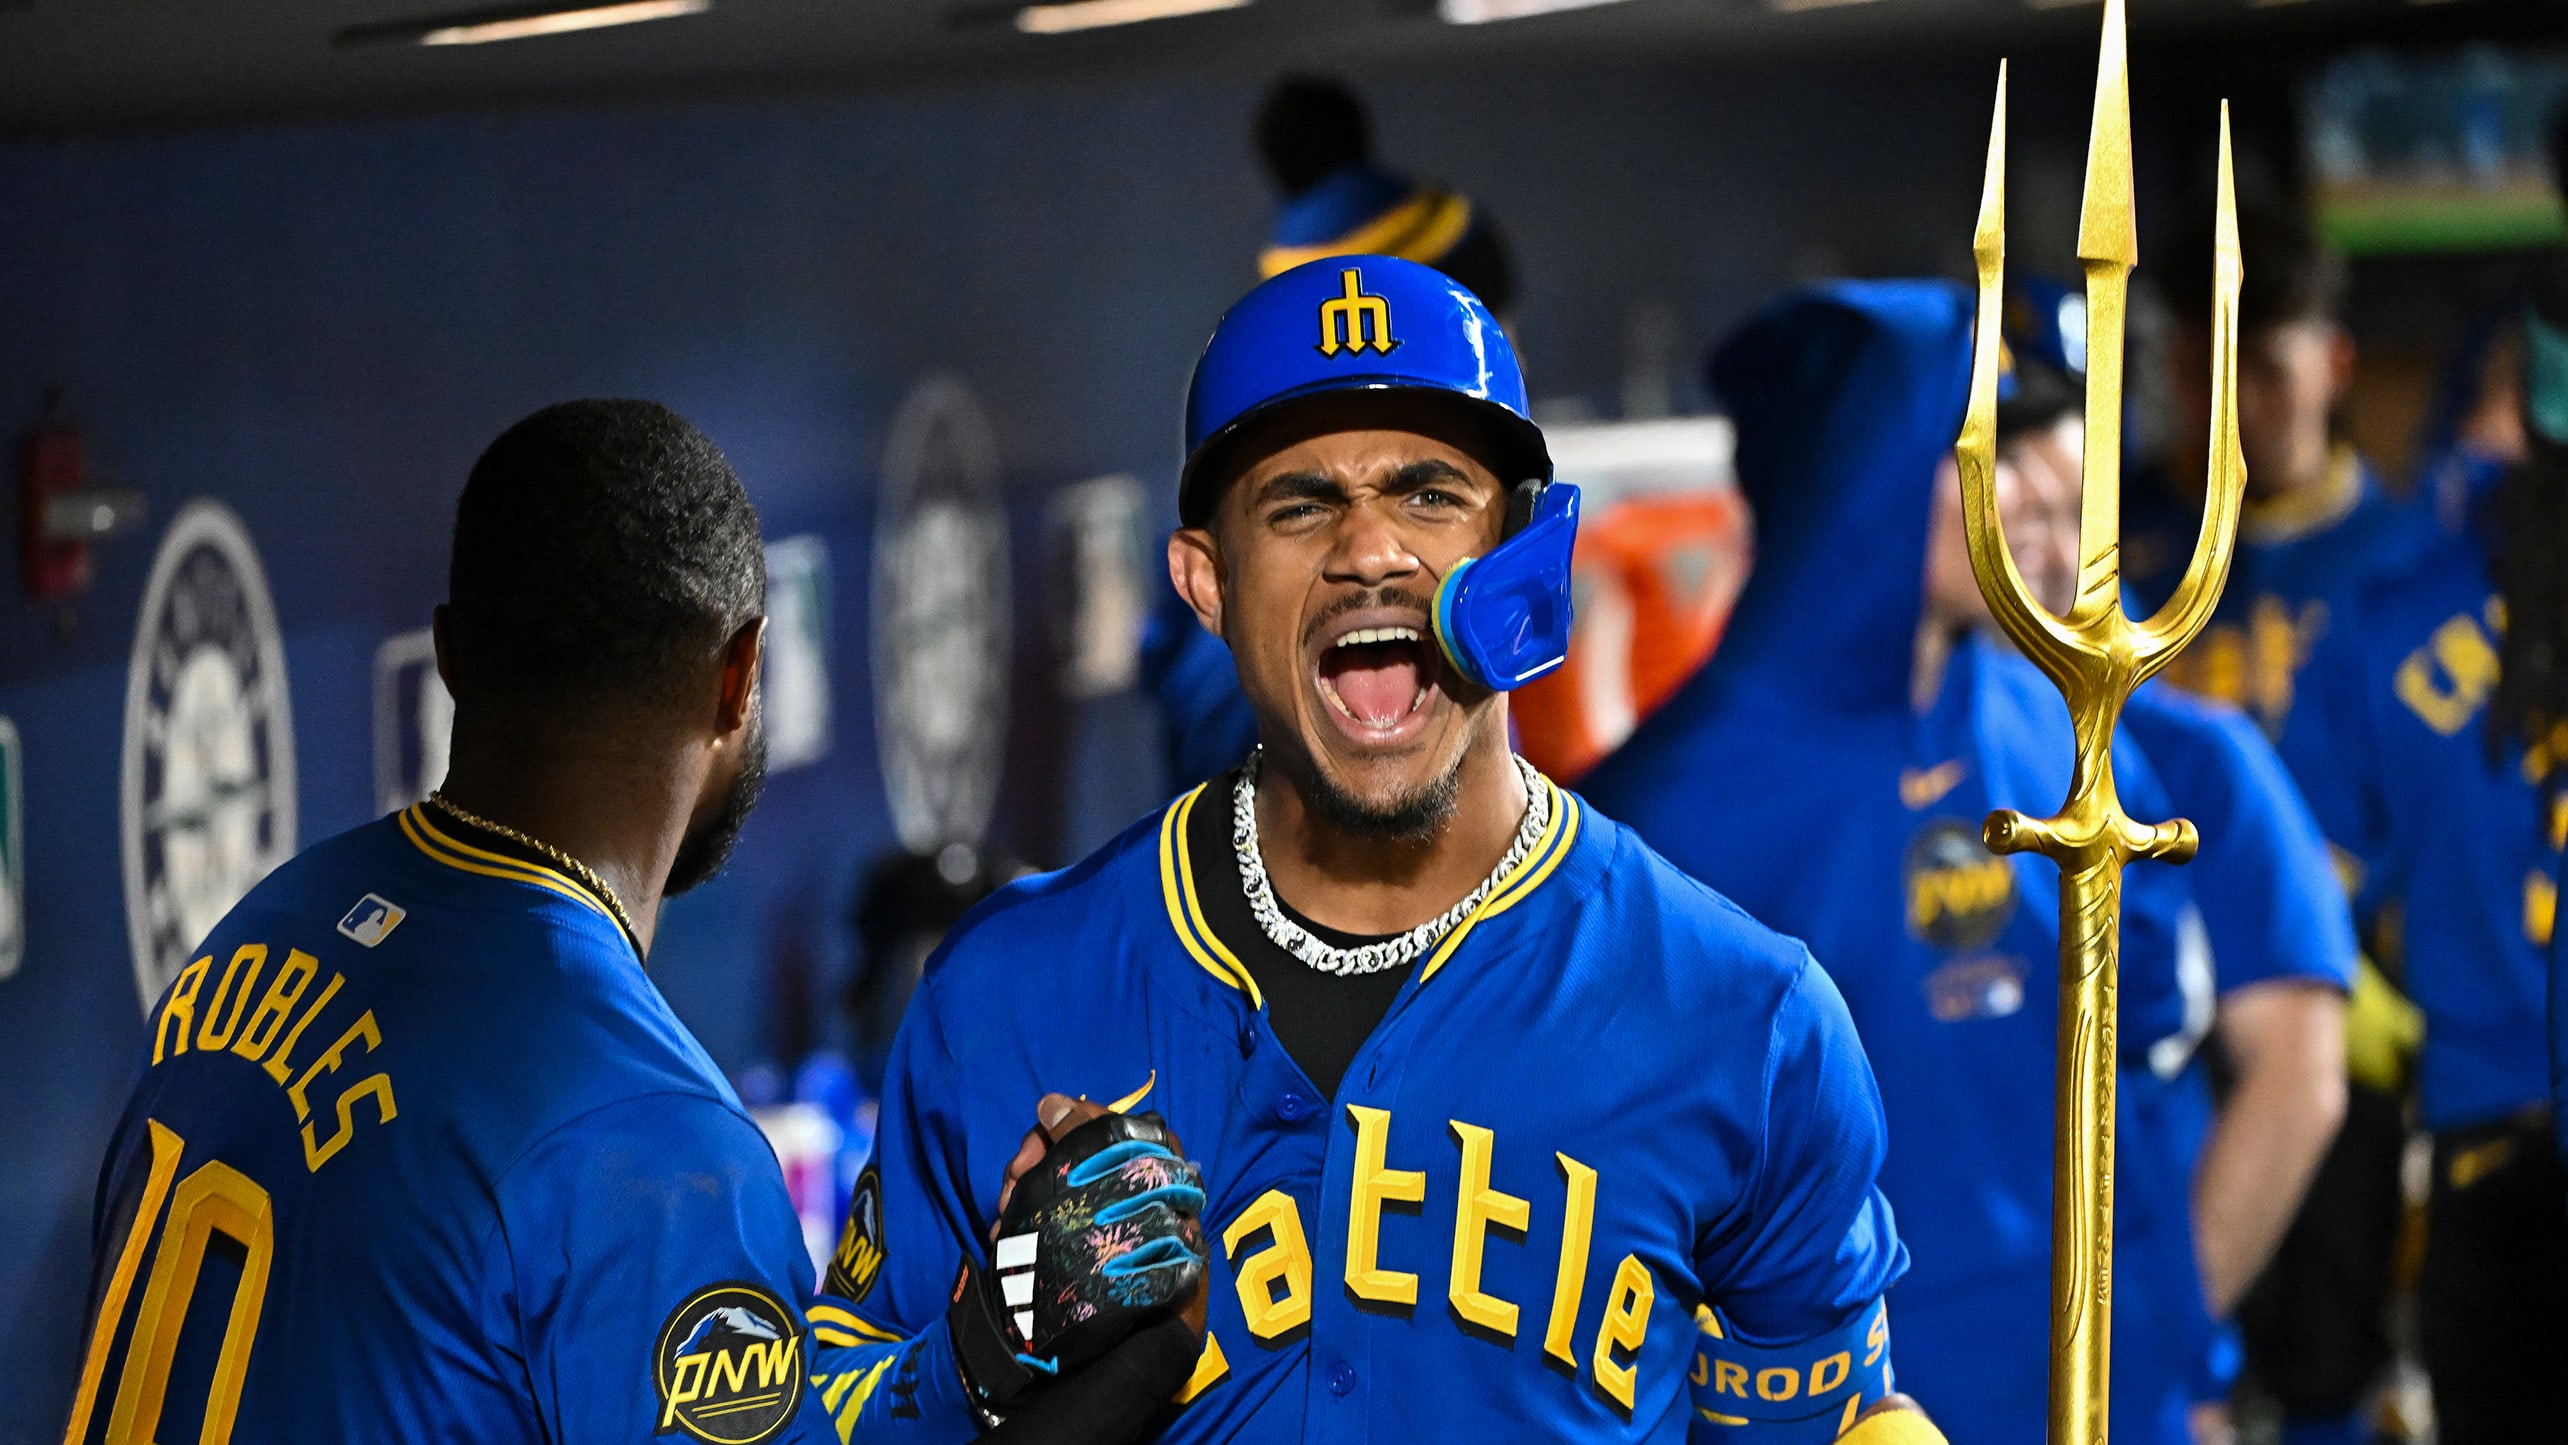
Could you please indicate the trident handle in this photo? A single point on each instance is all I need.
(2097, 655)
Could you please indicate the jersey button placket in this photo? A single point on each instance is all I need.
(1292, 1108)
(1341, 1378)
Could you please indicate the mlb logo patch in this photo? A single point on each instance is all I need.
(372, 920)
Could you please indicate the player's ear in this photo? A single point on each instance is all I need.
(1195, 567)
(741, 657)
(2340, 363)
(445, 657)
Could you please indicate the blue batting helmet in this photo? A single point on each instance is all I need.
(1353, 323)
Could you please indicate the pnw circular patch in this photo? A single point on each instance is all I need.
(859, 1260)
(1960, 895)
(729, 1365)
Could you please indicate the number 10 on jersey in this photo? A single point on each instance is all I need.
(215, 1199)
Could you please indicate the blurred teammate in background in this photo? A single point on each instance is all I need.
(1338, 200)
(1828, 770)
(2422, 738)
(903, 909)
(2318, 527)
(2318, 523)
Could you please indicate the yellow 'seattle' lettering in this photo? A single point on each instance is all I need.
(1626, 1324)
(1375, 1185)
(1274, 1283)
(2447, 680)
(1577, 1219)
(1478, 1209)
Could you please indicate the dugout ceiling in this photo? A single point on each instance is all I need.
(78, 65)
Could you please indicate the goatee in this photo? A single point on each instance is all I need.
(1417, 815)
(705, 849)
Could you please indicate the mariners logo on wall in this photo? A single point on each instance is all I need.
(941, 630)
(208, 787)
(1960, 895)
(728, 1365)
(859, 1258)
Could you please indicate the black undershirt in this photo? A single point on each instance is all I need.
(1321, 1019)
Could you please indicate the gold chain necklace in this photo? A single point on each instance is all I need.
(570, 865)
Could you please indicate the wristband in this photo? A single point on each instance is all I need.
(995, 1374)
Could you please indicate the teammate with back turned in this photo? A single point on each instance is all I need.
(1507, 1129)
(416, 1150)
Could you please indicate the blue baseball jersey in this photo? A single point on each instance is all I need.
(2271, 902)
(2300, 562)
(2390, 744)
(2271, 911)
(418, 1152)
(1606, 1120)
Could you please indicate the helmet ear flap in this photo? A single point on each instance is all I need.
(1504, 619)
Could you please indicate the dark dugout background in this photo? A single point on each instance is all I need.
(320, 323)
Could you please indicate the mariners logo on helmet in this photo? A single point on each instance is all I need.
(729, 1365)
(1359, 319)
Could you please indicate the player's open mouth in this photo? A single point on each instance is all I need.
(1378, 678)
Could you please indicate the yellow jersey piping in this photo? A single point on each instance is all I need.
(460, 855)
(1186, 914)
(1529, 875)
(2293, 516)
(833, 1317)
(1180, 898)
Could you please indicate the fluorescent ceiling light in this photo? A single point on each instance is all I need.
(483, 29)
(1061, 19)
(1481, 12)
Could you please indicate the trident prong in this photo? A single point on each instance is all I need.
(2097, 655)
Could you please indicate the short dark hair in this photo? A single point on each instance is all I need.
(1308, 127)
(2043, 395)
(2292, 274)
(603, 551)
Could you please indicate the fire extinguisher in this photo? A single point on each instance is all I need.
(60, 514)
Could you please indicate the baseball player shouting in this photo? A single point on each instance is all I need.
(1506, 1129)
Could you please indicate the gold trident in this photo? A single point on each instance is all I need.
(2097, 655)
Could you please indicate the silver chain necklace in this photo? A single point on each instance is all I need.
(1393, 952)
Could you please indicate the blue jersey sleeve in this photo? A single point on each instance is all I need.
(2327, 747)
(659, 1282)
(2270, 898)
(1797, 1278)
